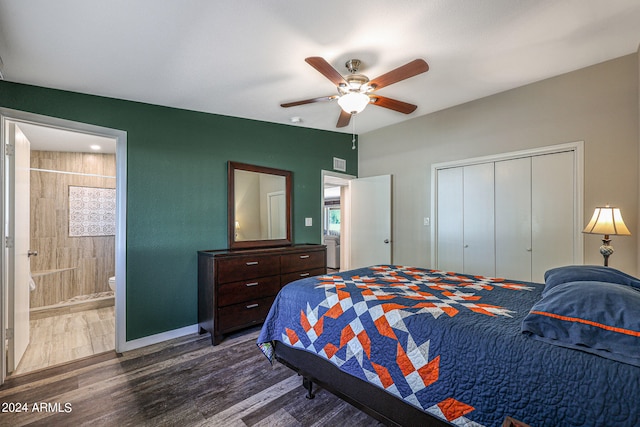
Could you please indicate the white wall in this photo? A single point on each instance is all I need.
(638, 219)
(597, 105)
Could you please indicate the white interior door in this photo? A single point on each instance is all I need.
(513, 219)
(18, 263)
(479, 241)
(370, 221)
(553, 213)
(449, 215)
(277, 213)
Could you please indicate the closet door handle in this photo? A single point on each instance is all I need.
(252, 263)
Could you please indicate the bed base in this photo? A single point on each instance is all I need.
(370, 399)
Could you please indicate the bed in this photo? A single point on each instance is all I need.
(414, 346)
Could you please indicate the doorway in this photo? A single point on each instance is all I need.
(335, 219)
(80, 284)
(362, 206)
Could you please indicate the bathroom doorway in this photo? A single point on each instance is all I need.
(335, 219)
(76, 242)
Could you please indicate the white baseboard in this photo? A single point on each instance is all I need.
(158, 338)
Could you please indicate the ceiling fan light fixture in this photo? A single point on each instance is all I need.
(353, 102)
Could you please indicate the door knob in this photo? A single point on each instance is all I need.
(386, 240)
(32, 253)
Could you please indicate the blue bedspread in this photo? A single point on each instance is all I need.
(451, 345)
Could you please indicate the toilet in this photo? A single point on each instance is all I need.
(112, 283)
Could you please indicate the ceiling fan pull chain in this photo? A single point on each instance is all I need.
(353, 139)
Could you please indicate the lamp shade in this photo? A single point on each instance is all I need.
(607, 220)
(353, 102)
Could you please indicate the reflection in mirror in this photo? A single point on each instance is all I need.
(259, 206)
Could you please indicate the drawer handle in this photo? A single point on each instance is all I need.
(252, 263)
(252, 305)
(304, 256)
(248, 285)
(304, 274)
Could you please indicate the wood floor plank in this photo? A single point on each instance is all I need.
(184, 382)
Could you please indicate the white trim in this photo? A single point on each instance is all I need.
(577, 147)
(569, 146)
(3, 254)
(158, 338)
(323, 174)
(121, 210)
(345, 240)
(121, 242)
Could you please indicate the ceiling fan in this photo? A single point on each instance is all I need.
(356, 91)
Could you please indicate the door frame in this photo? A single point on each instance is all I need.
(345, 242)
(120, 136)
(576, 147)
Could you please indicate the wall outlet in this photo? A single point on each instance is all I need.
(308, 222)
(427, 221)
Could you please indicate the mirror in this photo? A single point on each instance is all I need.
(259, 206)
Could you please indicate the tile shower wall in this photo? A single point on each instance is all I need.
(67, 267)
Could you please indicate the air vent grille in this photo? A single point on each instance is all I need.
(339, 164)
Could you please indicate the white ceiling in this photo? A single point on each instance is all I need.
(244, 57)
(53, 139)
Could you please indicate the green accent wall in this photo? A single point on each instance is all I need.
(177, 187)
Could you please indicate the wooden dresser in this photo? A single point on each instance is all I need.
(237, 287)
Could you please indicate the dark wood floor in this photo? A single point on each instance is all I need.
(185, 382)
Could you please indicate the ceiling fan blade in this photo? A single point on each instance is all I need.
(393, 104)
(344, 119)
(326, 70)
(309, 101)
(413, 68)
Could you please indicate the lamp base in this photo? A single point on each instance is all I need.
(606, 250)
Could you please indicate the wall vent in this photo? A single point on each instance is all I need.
(339, 164)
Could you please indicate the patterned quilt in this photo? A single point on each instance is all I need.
(451, 345)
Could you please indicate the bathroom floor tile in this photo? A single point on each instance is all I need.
(66, 337)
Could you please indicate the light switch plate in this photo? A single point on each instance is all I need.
(308, 222)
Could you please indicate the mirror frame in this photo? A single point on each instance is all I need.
(231, 212)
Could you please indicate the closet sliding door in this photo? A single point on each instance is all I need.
(515, 216)
(478, 227)
(450, 220)
(553, 212)
(465, 220)
(513, 219)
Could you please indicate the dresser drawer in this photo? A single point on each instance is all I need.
(244, 314)
(236, 292)
(241, 268)
(290, 277)
(302, 261)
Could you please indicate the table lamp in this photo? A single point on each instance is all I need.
(607, 220)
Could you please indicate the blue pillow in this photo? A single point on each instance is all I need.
(595, 273)
(596, 317)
